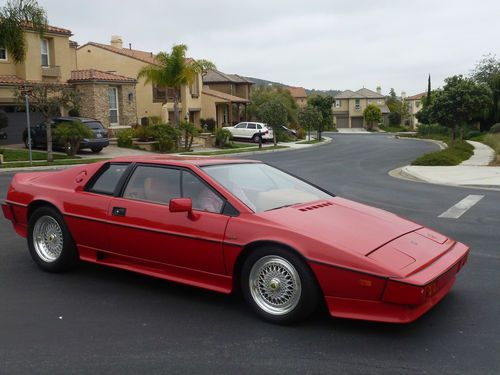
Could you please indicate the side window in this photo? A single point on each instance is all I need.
(154, 184)
(259, 126)
(204, 198)
(243, 125)
(252, 126)
(108, 178)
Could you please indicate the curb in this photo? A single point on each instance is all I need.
(441, 144)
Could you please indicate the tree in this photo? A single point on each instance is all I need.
(174, 70)
(70, 134)
(15, 17)
(428, 97)
(310, 117)
(190, 131)
(48, 99)
(274, 114)
(263, 94)
(487, 71)
(324, 105)
(4, 119)
(392, 101)
(459, 102)
(372, 115)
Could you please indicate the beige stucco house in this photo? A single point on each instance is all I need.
(300, 95)
(225, 97)
(414, 106)
(151, 100)
(349, 105)
(52, 58)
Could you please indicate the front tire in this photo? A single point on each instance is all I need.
(279, 286)
(49, 241)
(26, 143)
(96, 150)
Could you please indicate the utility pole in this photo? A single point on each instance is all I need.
(26, 91)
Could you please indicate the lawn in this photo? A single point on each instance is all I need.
(233, 151)
(10, 154)
(394, 129)
(457, 152)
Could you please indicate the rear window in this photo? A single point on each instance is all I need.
(94, 125)
(108, 178)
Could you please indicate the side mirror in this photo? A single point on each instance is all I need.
(182, 205)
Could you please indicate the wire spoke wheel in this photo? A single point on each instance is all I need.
(48, 238)
(275, 285)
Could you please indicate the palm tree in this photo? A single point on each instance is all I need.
(175, 70)
(16, 16)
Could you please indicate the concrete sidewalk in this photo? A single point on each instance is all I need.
(473, 172)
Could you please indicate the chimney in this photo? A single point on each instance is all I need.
(116, 41)
(379, 90)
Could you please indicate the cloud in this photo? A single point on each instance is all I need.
(316, 44)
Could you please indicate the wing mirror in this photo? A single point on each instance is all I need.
(182, 205)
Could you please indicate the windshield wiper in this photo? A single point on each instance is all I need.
(285, 205)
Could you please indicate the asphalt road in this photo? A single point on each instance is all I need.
(100, 320)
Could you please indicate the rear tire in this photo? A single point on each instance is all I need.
(256, 138)
(279, 286)
(96, 150)
(49, 241)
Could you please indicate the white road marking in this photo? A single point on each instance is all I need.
(461, 207)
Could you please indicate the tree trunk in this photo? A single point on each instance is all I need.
(50, 156)
(275, 135)
(176, 110)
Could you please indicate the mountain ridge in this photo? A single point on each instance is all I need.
(265, 82)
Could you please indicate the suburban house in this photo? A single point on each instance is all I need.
(415, 105)
(299, 94)
(52, 59)
(225, 97)
(349, 105)
(150, 99)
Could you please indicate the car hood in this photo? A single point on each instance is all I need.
(343, 224)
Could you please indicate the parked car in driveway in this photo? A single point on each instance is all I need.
(251, 130)
(96, 144)
(3, 135)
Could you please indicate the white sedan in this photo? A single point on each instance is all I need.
(251, 130)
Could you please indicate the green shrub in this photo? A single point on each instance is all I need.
(394, 118)
(456, 153)
(70, 134)
(124, 138)
(74, 112)
(189, 131)
(154, 120)
(495, 128)
(223, 137)
(493, 140)
(143, 133)
(166, 135)
(432, 129)
(208, 123)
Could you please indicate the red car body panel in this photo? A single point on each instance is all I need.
(370, 264)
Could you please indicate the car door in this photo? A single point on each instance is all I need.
(239, 130)
(251, 130)
(145, 229)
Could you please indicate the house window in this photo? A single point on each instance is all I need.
(338, 103)
(417, 104)
(159, 94)
(113, 105)
(3, 54)
(44, 46)
(357, 104)
(379, 101)
(194, 88)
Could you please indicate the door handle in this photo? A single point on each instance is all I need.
(119, 211)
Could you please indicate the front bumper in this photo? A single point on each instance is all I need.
(91, 143)
(394, 300)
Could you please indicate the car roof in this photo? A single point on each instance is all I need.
(74, 118)
(180, 160)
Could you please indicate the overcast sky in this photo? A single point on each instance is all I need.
(322, 44)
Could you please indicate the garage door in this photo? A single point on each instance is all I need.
(357, 122)
(342, 122)
(17, 124)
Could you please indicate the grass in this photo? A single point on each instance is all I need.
(457, 152)
(10, 154)
(233, 151)
(493, 140)
(47, 164)
(394, 129)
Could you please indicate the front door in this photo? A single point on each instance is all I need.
(145, 229)
(113, 105)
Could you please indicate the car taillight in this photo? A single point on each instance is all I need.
(265, 132)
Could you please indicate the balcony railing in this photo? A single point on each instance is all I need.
(52, 71)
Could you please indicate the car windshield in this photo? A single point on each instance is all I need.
(262, 187)
(94, 125)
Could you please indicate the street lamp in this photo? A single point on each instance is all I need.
(26, 92)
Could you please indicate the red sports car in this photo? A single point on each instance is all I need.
(226, 224)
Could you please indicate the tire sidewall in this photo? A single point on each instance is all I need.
(69, 255)
(309, 297)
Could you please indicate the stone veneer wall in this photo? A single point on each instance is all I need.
(95, 102)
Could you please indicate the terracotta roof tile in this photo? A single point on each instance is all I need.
(51, 29)
(222, 95)
(297, 92)
(417, 96)
(94, 75)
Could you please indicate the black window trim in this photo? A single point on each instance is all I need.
(90, 184)
(227, 208)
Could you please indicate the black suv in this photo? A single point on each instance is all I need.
(96, 144)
